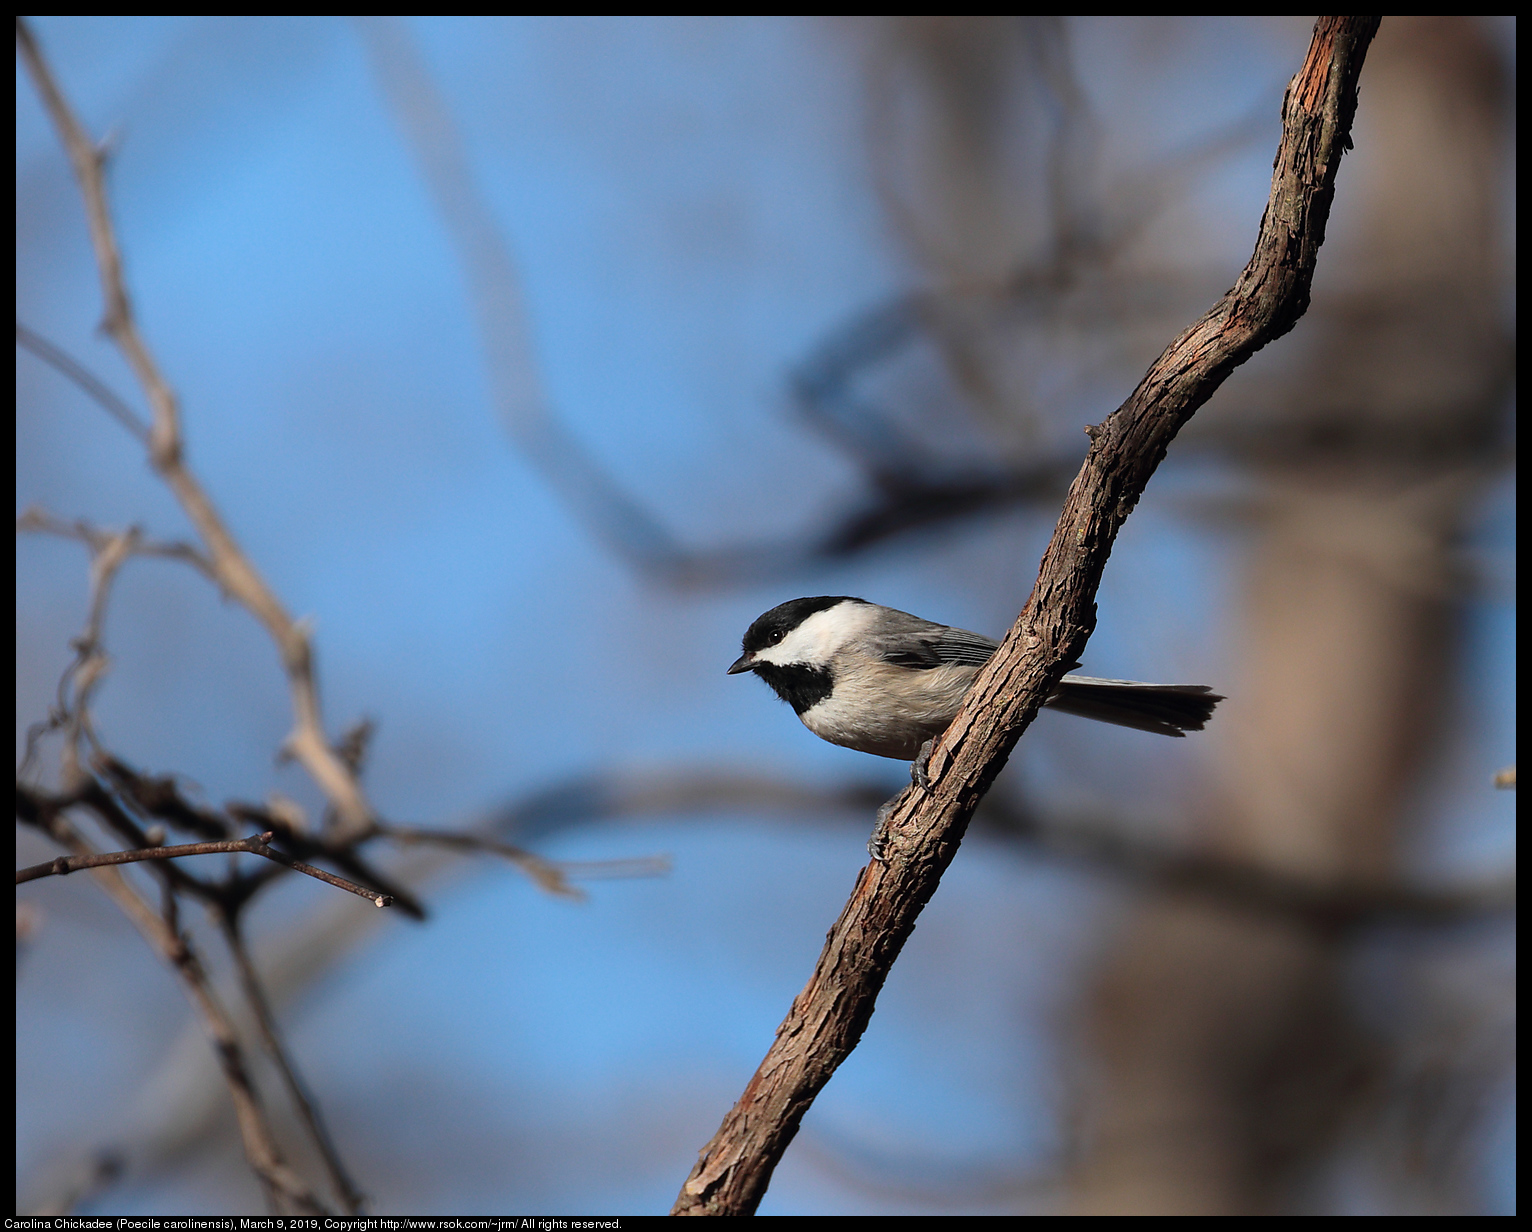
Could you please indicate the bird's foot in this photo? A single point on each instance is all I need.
(877, 842)
(877, 845)
(920, 766)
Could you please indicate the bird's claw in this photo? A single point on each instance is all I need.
(920, 766)
(877, 845)
(877, 841)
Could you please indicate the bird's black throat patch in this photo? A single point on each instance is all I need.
(797, 684)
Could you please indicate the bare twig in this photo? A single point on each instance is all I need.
(591, 797)
(65, 865)
(109, 550)
(39, 808)
(343, 853)
(91, 661)
(340, 883)
(271, 1038)
(495, 290)
(40, 521)
(99, 392)
(551, 875)
(256, 846)
(161, 798)
(285, 1189)
(925, 827)
(233, 569)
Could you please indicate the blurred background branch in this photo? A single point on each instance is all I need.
(237, 577)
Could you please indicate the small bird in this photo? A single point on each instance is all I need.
(882, 681)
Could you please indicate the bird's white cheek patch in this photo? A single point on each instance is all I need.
(817, 639)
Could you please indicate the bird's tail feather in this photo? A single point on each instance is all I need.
(1169, 709)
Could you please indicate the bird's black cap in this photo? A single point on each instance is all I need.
(771, 627)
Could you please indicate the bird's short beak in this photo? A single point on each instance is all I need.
(742, 664)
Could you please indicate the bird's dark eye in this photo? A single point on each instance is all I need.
(776, 637)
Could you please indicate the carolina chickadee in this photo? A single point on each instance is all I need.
(885, 682)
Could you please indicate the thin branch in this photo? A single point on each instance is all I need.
(64, 865)
(256, 846)
(616, 869)
(39, 808)
(342, 853)
(615, 794)
(39, 521)
(285, 1188)
(161, 798)
(234, 571)
(271, 1038)
(925, 826)
(91, 660)
(95, 388)
(551, 875)
(495, 291)
(109, 552)
(340, 883)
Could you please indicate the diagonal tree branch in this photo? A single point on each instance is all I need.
(276, 1049)
(232, 569)
(925, 826)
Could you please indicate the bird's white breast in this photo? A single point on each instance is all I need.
(887, 710)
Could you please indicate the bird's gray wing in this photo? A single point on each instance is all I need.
(961, 646)
(909, 641)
